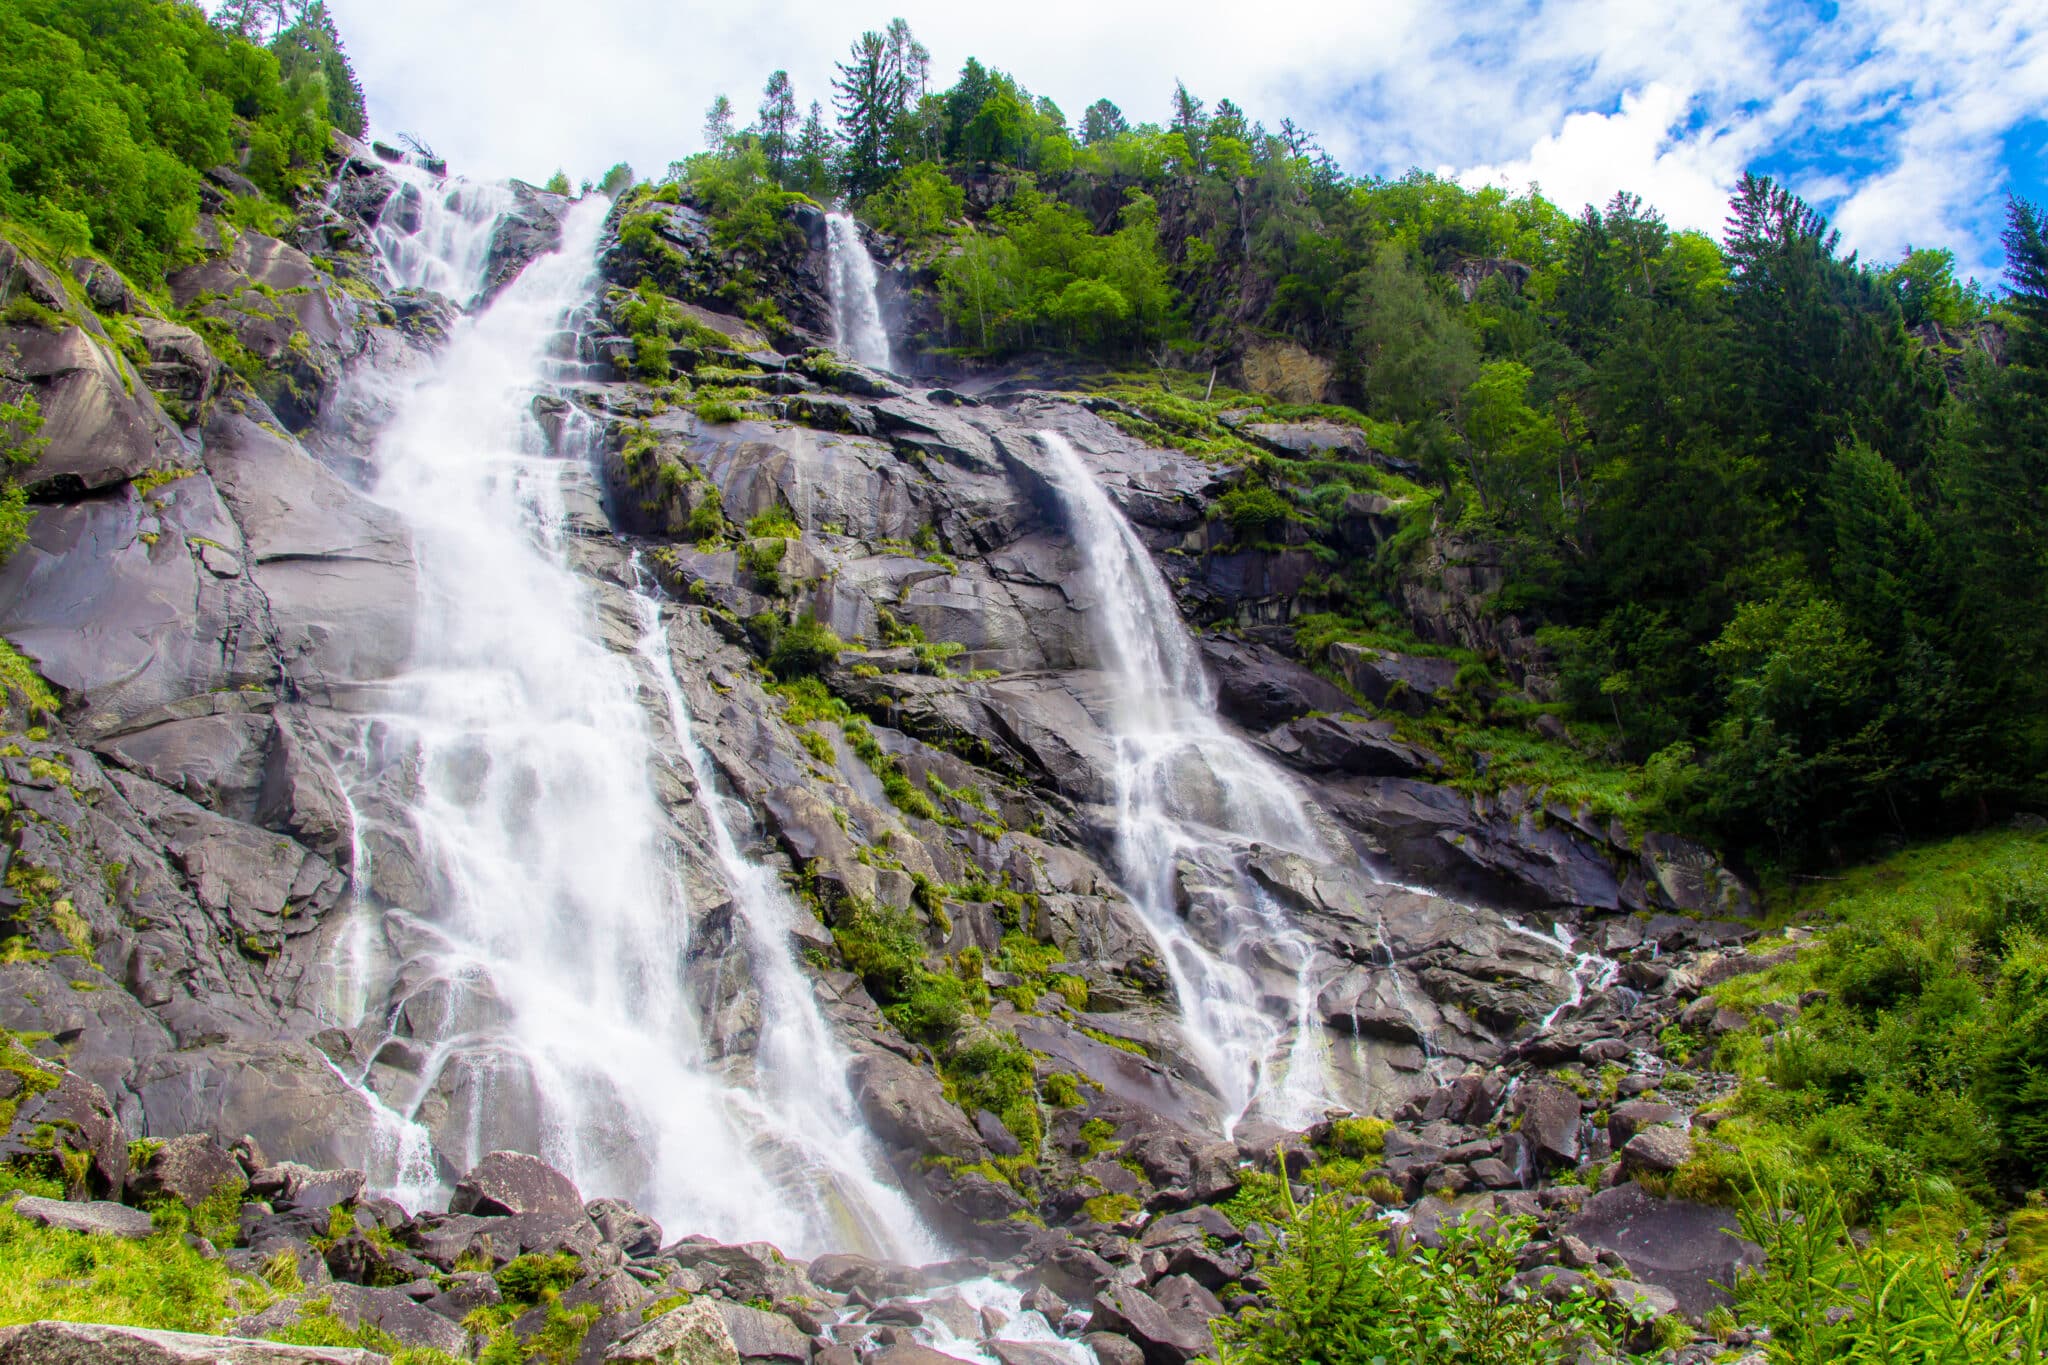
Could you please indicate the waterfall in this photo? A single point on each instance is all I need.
(800, 1068)
(1185, 786)
(535, 989)
(857, 329)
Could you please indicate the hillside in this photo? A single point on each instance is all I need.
(1129, 748)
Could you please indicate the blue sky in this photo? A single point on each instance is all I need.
(1908, 122)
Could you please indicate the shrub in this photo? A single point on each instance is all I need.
(1254, 511)
(804, 648)
(996, 1074)
(1340, 1293)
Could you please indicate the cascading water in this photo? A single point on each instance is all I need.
(541, 976)
(1186, 786)
(858, 332)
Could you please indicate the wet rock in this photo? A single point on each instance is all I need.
(1165, 1337)
(94, 1216)
(1688, 1248)
(1659, 1150)
(619, 1223)
(515, 1183)
(694, 1334)
(847, 1274)
(1027, 1353)
(77, 1343)
(763, 1336)
(387, 1310)
(750, 1271)
(291, 1185)
(1550, 1122)
(1409, 683)
(1112, 1349)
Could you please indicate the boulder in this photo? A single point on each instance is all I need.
(1408, 683)
(189, 1169)
(694, 1334)
(625, 1227)
(91, 1343)
(293, 1186)
(388, 1310)
(1113, 1349)
(1550, 1122)
(506, 1183)
(1627, 1119)
(95, 1216)
(1658, 1150)
(847, 1274)
(1351, 748)
(1167, 1338)
(763, 1336)
(1694, 1250)
(77, 1119)
(1027, 1353)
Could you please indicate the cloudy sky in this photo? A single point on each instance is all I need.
(1908, 121)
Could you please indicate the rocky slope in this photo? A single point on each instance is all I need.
(218, 603)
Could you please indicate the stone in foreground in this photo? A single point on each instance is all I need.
(88, 1343)
(694, 1334)
(114, 1220)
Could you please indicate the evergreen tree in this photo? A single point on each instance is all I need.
(1191, 121)
(810, 163)
(886, 73)
(778, 125)
(1102, 121)
(310, 48)
(718, 124)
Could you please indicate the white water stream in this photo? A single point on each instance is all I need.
(542, 979)
(1185, 788)
(858, 332)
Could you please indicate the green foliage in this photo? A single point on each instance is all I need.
(531, 1278)
(1339, 1294)
(996, 1073)
(1827, 1296)
(805, 647)
(112, 108)
(886, 948)
(158, 1282)
(1916, 1081)
(917, 204)
(1255, 512)
(1051, 278)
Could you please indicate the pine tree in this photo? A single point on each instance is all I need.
(778, 124)
(810, 162)
(867, 95)
(1102, 121)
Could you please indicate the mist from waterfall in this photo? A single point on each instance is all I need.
(858, 332)
(1185, 787)
(535, 993)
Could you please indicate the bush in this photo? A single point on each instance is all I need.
(1254, 511)
(919, 202)
(1339, 1293)
(804, 648)
(997, 1074)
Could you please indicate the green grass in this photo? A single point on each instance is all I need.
(158, 1282)
(22, 681)
(1916, 1083)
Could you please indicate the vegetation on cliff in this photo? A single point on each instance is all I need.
(1773, 512)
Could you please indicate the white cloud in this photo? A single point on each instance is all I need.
(1639, 149)
(1582, 96)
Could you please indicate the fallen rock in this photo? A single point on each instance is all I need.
(100, 1216)
(91, 1343)
(514, 1183)
(625, 1227)
(1550, 1122)
(1166, 1338)
(694, 1334)
(1690, 1249)
(189, 1169)
(763, 1336)
(1111, 1349)
(1658, 1150)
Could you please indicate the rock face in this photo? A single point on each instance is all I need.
(225, 613)
(1693, 1250)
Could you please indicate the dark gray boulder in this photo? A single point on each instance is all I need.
(505, 1183)
(92, 1216)
(90, 1343)
(1694, 1250)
